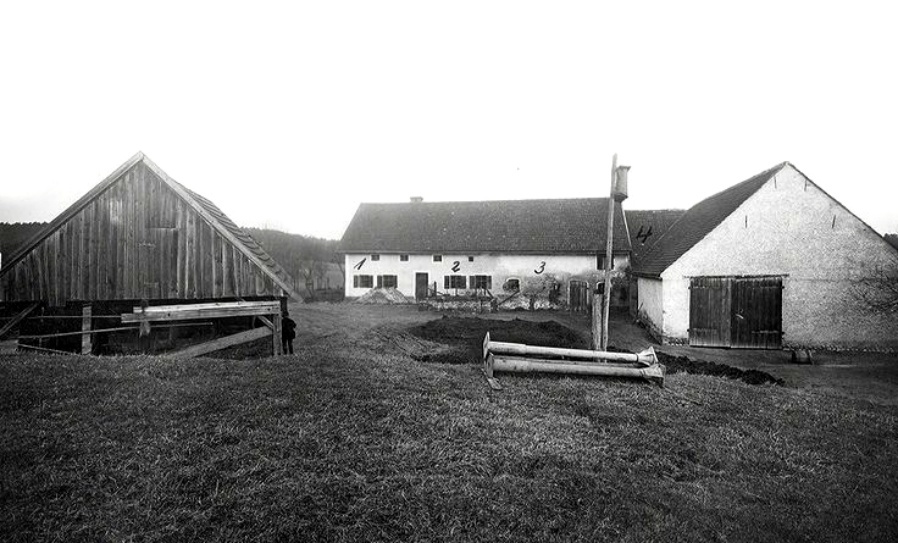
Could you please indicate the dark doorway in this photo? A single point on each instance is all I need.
(737, 312)
(421, 285)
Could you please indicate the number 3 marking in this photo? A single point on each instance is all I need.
(541, 268)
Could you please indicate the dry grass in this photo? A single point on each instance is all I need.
(352, 439)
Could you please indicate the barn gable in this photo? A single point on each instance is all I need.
(140, 234)
(788, 263)
(697, 222)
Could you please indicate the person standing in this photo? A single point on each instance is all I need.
(288, 332)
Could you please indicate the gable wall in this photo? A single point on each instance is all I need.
(790, 233)
(558, 269)
(136, 240)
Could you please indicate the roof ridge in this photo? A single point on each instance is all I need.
(684, 241)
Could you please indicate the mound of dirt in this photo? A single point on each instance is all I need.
(464, 336)
(682, 364)
(383, 296)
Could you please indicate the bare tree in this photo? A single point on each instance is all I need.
(879, 290)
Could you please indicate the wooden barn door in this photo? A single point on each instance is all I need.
(579, 296)
(757, 313)
(709, 312)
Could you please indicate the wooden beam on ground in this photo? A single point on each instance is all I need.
(18, 318)
(80, 333)
(43, 349)
(654, 374)
(86, 346)
(220, 343)
(202, 311)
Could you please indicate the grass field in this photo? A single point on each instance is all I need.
(355, 439)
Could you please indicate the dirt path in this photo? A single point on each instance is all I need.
(867, 376)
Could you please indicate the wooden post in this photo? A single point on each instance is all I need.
(609, 257)
(596, 312)
(86, 346)
(277, 335)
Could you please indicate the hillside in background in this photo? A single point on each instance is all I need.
(311, 261)
(14, 235)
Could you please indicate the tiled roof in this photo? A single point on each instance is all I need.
(646, 226)
(698, 222)
(562, 226)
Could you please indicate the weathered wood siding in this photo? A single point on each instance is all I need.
(138, 239)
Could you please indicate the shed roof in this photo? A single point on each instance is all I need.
(214, 216)
(560, 226)
(697, 222)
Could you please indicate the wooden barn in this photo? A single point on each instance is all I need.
(139, 235)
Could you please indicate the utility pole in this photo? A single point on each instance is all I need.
(617, 194)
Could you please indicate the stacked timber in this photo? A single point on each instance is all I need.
(516, 357)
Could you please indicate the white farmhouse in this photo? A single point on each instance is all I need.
(541, 253)
(771, 262)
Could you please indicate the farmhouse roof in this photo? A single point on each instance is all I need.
(646, 226)
(560, 226)
(697, 222)
(209, 211)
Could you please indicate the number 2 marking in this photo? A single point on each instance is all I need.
(456, 266)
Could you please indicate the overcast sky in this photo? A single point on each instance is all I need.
(290, 114)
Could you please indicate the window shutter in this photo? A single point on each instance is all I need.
(473, 282)
(380, 281)
(355, 281)
(446, 281)
(489, 282)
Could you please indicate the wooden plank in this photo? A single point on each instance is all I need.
(520, 349)
(514, 364)
(276, 332)
(201, 311)
(221, 229)
(226, 285)
(193, 256)
(220, 343)
(90, 332)
(42, 349)
(18, 318)
(179, 260)
(215, 257)
(86, 346)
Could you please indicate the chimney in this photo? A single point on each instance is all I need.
(416, 199)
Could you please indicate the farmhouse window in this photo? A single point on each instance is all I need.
(470, 259)
(455, 281)
(386, 281)
(403, 258)
(600, 262)
(512, 285)
(375, 258)
(362, 281)
(437, 258)
(481, 281)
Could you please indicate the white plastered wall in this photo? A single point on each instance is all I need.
(533, 271)
(791, 228)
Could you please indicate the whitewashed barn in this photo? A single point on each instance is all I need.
(771, 262)
(545, 250)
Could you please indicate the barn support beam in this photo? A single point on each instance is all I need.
(86, 338)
